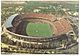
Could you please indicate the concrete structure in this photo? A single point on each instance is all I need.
(59, 40)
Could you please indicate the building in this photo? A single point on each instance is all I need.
(59, 40)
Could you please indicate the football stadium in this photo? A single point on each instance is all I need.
(37, 33)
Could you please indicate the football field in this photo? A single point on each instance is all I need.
(39, 29)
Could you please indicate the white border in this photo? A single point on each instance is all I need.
(39, 0)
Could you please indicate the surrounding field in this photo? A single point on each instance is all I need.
(39, 29)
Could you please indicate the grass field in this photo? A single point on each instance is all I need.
(39, 29)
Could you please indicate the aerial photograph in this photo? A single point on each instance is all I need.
(39, 27)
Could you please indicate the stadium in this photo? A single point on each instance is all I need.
(37, 31)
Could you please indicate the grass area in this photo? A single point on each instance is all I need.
(39, 29)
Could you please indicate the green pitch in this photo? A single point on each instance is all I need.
(39, 29)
